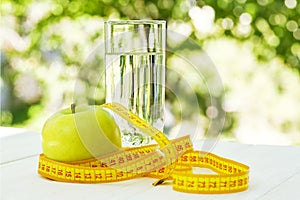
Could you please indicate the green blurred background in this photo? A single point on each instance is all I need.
(253, 43)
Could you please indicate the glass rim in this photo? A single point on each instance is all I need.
(138, 21)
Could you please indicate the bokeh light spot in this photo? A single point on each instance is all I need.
(245, 18)
(273, 41)
(292, 26)
(296, 34)
(263, 2)
(203, 18)
(296, 49)
(277, 19)
(212, 112)
(227, 23)
(262, 25)
(290, 4)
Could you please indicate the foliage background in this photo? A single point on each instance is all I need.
(253, 43)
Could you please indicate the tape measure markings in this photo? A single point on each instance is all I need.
(173, 159)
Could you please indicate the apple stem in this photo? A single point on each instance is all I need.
(73, 107)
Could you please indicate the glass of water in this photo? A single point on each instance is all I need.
(135, 72)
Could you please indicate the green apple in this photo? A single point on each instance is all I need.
(80, 133)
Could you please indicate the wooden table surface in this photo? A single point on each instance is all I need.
(274, 173)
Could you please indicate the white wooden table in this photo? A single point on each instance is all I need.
(274, 174)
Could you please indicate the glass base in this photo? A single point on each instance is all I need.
(134, 138)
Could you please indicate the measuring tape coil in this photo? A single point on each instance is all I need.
(168, 160)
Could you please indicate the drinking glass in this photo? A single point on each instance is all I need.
(135, 72)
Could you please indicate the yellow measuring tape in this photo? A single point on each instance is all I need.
(169, 160)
